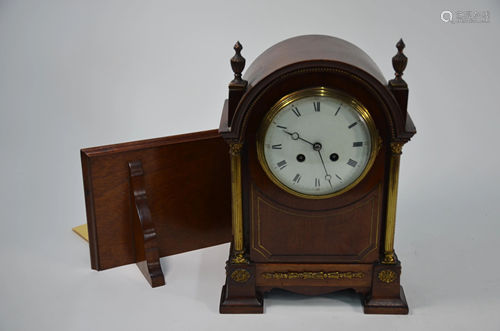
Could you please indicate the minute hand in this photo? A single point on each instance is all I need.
(296, 136)
(327, 177)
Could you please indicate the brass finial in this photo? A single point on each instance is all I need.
(399, 62)
(237, 64)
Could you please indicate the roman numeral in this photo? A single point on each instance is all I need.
(357, 144)
(297, 178)
(316, 182)
(352, 163)
(296, 111)
(316, 106)
(276, 146)
(282, 164)
(282, 127)
(338, 110)
(353, 125)
(338, 177)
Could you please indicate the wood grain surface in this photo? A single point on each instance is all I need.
(187, 182)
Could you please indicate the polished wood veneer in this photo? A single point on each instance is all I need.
(187, 185)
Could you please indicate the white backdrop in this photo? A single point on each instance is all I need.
(76, 74)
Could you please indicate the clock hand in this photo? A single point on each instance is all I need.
(316, 147)
(296, 136)
(327, 177)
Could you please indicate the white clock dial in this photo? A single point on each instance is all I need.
(317, 142)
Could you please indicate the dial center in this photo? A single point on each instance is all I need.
(317, 146)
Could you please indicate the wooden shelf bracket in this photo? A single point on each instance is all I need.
(147, 253)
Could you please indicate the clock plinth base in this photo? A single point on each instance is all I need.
(240, 305)
(239, 295)
(378, 283)
(387, 295)
(388, 306)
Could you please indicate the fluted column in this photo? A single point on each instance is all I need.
(392, 199)
(237, 256)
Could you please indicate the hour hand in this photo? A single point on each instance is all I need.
(296, 136)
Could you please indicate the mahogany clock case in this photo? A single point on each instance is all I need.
(285, 235)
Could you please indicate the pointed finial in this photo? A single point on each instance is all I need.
(400, 45)
(237, 64)
(238, 47)
(399, 62)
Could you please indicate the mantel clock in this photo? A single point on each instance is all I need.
(315, 135)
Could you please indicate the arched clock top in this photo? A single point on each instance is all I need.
(303, 55)
(310, 48)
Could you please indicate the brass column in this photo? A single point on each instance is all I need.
(392, 199)
(237, 256)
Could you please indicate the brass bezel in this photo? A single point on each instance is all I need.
(317, 92)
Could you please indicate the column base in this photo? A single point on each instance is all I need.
(397, 306)
(239, 295)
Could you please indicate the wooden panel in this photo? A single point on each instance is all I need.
(188, 186)
(284, 234)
